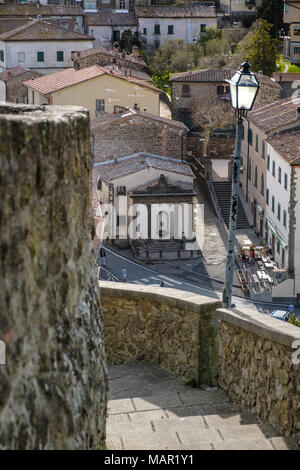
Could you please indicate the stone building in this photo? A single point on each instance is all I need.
(11, 84)
(129, 64)
(291, 45)
(159, 23)
(289, 82)
(191, 87)
(54, 384)
(133, 131)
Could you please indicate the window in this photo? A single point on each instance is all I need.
(60, 56)
(273, 204)
(255, 177)
(285, 181)
(122, 4)
(170, 29)
(40, 56)
(256, 143)
(296, 31)
(278, 211)
(145, 31)
(268, 163)
(267, 196)
(273, 168)
(262, 185)
(2, 56)
(296, 50)
(286, 8)
(99, 184)
(222, 89)
(32, 97)
(202, 28)
(100, 106)
(186, 90)
(263, 149)
(279, 175)
(121, 190)
(156, 29)
(21, 56)
(249, 170)
(242, 132)
(278, 247)
(250, 136)
(284, 218)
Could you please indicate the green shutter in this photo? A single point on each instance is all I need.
(60, 56)
(250, 136)
(40, 56)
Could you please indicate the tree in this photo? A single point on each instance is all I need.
(272, 12)
(128, 40)
(210, 117)
(262, 50)
(208, 35)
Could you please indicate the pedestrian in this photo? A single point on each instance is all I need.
(124, 274)
(102, 256)
(251, 254)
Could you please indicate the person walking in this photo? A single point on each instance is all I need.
(102, 256)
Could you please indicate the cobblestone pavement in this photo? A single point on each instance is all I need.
(151, 409)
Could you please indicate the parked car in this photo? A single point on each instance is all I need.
(283, 315)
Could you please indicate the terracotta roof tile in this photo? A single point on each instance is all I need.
(216, 75)
(101, 50)
(68, 77)
(175, 12)
(31, 9)
(288, 146)
(37, 30)
(14, 72)
(108, 119)
(108, 171)
(7, 24)
(275, 115)
(110, 18)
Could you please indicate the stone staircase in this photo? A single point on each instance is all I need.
(223, 193)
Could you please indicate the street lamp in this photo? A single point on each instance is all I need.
(243, 90)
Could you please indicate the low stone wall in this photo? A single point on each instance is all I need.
(247, 354)
(166, 326)
(256, 367)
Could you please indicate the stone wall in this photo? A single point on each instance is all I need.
(218, 147)
(15, 90)
(126, 136)
(256, 367)
(165, 326)
(247, 354)
(53, 386)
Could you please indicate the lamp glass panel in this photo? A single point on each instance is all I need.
(246, 96)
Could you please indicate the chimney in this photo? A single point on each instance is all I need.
(8, 74)
(116, 47)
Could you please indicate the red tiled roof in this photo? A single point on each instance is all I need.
(171, 11)
(14, 72)
(31, 9)
(288, 146)
(110, 18)
(68, 77)
(276, 115)
(7, 24)
(37, 30)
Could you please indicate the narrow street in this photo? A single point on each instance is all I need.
(176, 277)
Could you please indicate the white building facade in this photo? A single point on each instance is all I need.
(158, 24)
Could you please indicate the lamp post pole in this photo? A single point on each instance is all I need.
(243, 90)
(235, 183)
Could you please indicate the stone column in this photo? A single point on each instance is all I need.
(53, 386)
